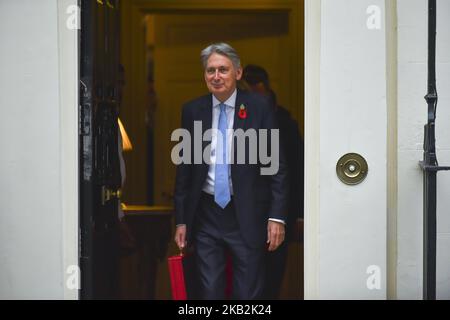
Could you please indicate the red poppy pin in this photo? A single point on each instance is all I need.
(242, 112)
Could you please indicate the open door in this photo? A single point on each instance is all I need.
(99, 162)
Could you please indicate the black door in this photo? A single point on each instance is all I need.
(99, 162)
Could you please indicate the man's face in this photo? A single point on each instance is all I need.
(221, 76)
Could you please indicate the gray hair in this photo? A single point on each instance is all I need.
(222, 49)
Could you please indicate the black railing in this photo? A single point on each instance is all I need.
(430, 165)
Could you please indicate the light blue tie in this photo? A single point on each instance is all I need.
(221, 183)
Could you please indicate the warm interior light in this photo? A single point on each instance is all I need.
(126, 143)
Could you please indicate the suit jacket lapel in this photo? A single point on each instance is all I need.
(206, 117)
(238, 122)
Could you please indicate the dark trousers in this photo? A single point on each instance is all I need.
(217, 232)
(275, 269)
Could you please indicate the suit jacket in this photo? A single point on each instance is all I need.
(256, 197)
(292, 144)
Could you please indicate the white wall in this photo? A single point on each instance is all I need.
(353, 118)
(38, 141)
(412, 108)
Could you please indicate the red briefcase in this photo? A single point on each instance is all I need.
(177, 281)
(183, 278)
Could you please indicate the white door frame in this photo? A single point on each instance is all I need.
(68, 97)
(312, 150)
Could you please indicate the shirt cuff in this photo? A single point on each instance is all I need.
(277, 220)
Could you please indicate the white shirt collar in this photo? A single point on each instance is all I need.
(230, 102)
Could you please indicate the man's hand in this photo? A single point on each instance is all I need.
(275, 234)
(180, 236)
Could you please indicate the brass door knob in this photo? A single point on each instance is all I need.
(352, 168)
(108, 194)
(117, 194)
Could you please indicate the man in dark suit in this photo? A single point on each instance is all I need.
(222, 204)
(256, 79)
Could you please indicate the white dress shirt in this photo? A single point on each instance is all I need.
(208, 186)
